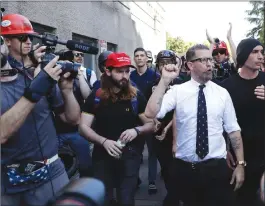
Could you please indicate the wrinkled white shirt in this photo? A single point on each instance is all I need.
(220, 115)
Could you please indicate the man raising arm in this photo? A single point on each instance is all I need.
(169, 73)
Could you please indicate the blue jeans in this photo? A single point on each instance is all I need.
(81, 148)
(152, 158)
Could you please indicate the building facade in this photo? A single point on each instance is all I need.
(117, 26)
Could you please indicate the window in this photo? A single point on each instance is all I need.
(111, 47)
(89, 59)
(41, 29)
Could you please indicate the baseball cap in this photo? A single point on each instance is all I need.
(118, 60)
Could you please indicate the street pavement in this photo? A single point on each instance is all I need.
(142, 197)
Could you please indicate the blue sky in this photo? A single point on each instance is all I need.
(190, 19)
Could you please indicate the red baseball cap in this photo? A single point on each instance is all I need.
(118, 60)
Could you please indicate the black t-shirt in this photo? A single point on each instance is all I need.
(250, 113)
(60, 125)
(111, 119)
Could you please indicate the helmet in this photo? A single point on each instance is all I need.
(13, 24)
(149, 56)
(220, 45)
(102, 59)
(166, 54)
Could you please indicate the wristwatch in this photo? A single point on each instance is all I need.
(243, 163)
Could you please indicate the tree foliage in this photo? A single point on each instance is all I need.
(177, 44)
(256, 17)
(206, 43)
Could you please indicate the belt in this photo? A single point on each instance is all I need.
(49, 161)
(46, 162)
(195, 165)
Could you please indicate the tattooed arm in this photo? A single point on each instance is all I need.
(238, 175)
(237, 144)
(155, 101)
(229, 157)
(232, 128)
(160, 103)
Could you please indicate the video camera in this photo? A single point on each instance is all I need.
(51, 40)
(83, 191)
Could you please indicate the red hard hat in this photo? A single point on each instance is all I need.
(13, 24)
(221, 45)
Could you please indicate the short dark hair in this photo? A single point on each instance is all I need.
(191, 51)
(139, 49)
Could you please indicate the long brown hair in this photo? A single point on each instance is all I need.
(108, 90)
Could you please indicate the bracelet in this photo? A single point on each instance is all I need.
(104, 141)
(137, 131)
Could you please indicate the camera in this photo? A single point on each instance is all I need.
(83, 191)
(66, 66)
(65, 55)
(51, 40)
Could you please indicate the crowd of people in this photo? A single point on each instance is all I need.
(202, 116)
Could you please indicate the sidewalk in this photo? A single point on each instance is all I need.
(142, 197)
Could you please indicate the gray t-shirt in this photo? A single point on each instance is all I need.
(36, 139)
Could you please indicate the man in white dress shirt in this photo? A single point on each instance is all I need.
(200, 175)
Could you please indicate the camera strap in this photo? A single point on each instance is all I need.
(19, 67)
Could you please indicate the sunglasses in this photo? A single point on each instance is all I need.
(219, 51)
(23, 38)
(79, 54)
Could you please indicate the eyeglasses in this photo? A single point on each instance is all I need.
(219, 51)
(79, 54)
(23, 38)
(203, 60)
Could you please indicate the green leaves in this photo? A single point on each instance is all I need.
(177, 44)
(256, 17)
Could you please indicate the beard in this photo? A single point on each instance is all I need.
(108, 83)
(114, 90)
(122, 84)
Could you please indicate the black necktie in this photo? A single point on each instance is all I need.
(202, 148)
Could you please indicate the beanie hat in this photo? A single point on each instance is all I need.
(244, 48)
